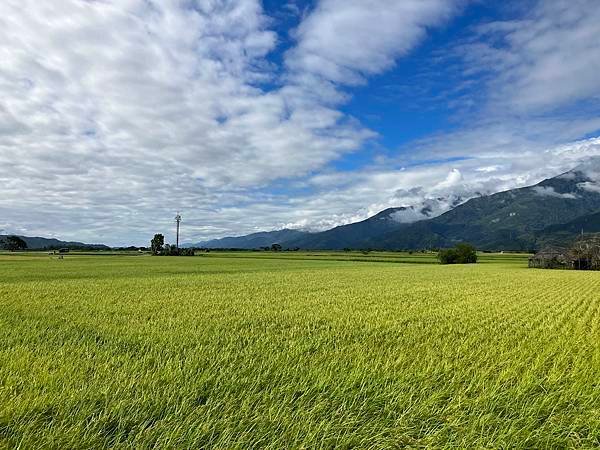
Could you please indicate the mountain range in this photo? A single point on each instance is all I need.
(552, 211)
(252, 241)
(40, 243)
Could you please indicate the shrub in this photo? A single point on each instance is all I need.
(460, 254)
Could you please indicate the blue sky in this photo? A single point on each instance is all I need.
(420, 94)
(248, 115)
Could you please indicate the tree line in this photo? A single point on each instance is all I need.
(159, 248)
(13, 243)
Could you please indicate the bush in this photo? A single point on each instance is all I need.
(461, 254)
(172, 250)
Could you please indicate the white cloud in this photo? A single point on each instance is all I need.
(408, 215)
(545, 60)
(590, 168)
(549, 191)
(590, 186)
(452, 180)
(343, 41)
(115, 114)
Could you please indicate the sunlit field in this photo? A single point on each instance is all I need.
(296, 350)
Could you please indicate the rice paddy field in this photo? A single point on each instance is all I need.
(296, 350)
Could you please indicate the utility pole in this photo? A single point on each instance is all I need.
(178, 220)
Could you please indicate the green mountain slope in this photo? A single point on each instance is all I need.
(252, 241)
(510, 220)
(355, 235)
(40, 243)
(563, 233)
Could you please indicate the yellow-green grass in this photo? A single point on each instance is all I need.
(296, 350)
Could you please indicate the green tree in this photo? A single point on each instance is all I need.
(14, 243)
(276, 247)
(157, 243)
(461, 254)
(467, 254)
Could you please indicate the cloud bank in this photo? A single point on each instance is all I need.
(114, 115)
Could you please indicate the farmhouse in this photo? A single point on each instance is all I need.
(584, 254)
(551, 258)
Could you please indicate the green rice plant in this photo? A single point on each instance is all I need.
(296, 350)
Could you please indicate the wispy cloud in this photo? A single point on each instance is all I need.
(343, 41)
(549, 191)
(546, 60)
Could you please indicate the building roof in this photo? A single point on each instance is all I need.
(552, 252)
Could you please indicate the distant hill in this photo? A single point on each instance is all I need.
(40, 243)
(354, 235)
(252, 241)
(518, 219)
(510, 220)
